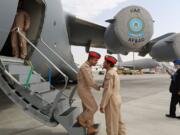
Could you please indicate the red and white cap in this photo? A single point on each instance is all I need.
(111, 59)
(94, 54)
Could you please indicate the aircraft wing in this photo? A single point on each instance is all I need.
(87, 34)
(84, 33)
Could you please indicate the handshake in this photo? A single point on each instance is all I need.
(100, 87)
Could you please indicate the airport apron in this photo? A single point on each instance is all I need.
(111, 102)
(85, 83)
(19, 44)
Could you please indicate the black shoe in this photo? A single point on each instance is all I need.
(171, 116)
(178, 117)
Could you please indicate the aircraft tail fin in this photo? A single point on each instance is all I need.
(119, 58)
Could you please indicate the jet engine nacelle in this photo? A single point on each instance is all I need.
(167, 49)
(130, 29)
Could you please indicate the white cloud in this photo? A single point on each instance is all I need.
(89, 8)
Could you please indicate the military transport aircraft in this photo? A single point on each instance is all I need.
(51, 34)
(138, 64)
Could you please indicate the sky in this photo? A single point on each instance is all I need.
(165, 13)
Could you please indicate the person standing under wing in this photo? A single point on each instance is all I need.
(111, 100)
(175, 90)
(85, 83)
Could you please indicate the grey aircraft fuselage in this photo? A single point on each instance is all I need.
(147, 63)
(47, 23)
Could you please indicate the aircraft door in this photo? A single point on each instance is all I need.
(8, 10)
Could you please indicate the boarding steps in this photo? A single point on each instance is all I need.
(38, 98)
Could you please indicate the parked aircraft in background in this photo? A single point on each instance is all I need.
(138, 64)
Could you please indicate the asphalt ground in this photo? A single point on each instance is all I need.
(145, 102)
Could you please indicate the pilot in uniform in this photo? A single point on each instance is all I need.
(85, 83)
(19, 45)
(175, 90)
(111, 100)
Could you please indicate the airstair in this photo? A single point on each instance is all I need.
(36, 96)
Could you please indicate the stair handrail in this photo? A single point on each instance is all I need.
(58, 96)
(46, 58)
(61, 58)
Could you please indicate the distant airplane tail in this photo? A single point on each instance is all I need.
(119, 58)
(120, 61)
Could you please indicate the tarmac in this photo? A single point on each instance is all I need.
(145, 102)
